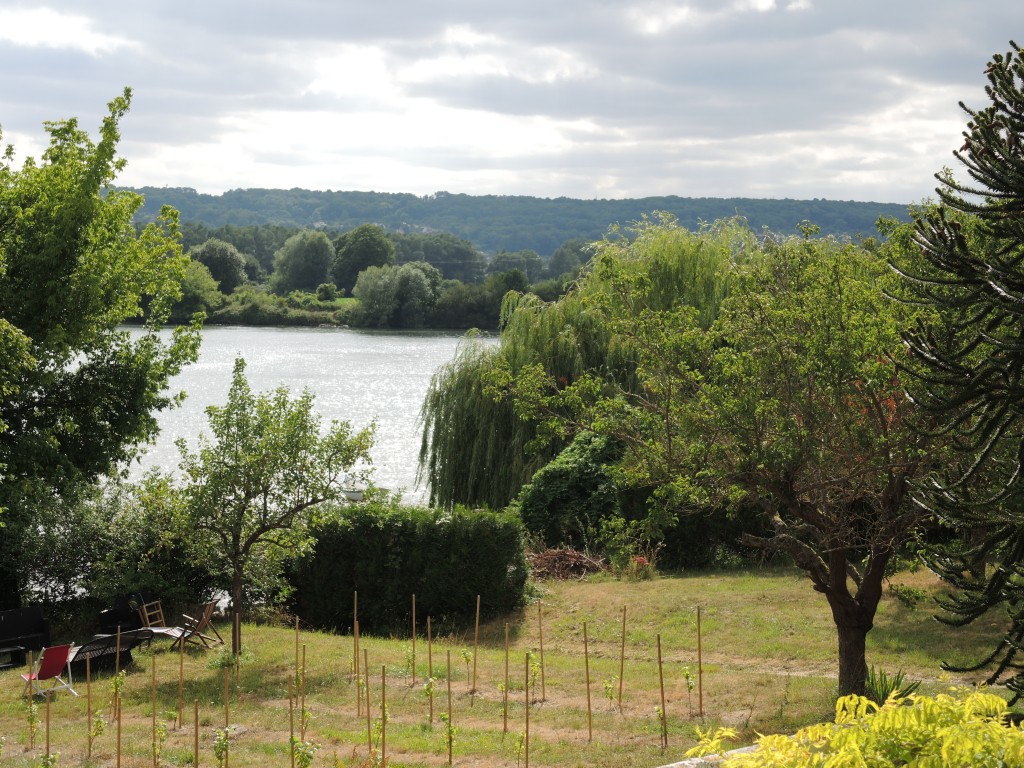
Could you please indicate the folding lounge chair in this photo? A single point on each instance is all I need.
(51, 663)
(194, 628)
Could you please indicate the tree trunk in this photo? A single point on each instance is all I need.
(852, 664)
(236, 610)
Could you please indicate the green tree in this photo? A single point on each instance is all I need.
(569, 257)
(526, 261)
(225, 262)
(457, 259)
(365, 246)
(253, 485)
(965, 262)
(77, 392)
(787, 400)
(199, 293)
(302, 262)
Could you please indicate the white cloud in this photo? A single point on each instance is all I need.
(46, 28)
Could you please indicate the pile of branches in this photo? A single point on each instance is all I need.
(563, 564)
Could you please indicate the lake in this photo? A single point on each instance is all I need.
(356, 376)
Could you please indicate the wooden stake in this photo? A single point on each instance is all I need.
(430, 651)
(355, 634)
(195, 735)
(414, 641)
(586, 669)
(302, 709)
(622, 657)
(448, 735)
(181, 685)
(31, 699)
(366, 675)
(88, 709)
(540, 626)
(526, 701)
(296, 651)
(48, 723)
(227, 715)
(383, 715)
(291, 719)
(152, 688)
(664, 717)
(504, 696)
(238, 652)
(700, 670)
(355, 667)
(476, 641)
(117, 718)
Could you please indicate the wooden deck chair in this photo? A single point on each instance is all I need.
(194, 627)
(51, 663)
(152, 614)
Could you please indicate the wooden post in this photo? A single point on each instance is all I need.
(586, 669)
(296, 653)
(540, 627)
(117, 671)
(622, 657)
(178, 723)
(355, 668)
(526, 702)
(152, 688)
(664, 716)
(31, 700)
(369, 729)
(238, 652)
(700, 670)
(291, 719)
(195, 736)
(117, 718)
(383, 715)
(48, 724)
(430, 651)
(504, 696)
(448, 734)
(227, 713)
(414, 641)
(355, 635)
(88, 709)
(302, 709)
(476, 641)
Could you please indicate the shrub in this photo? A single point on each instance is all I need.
(878, 686)
(388, 552)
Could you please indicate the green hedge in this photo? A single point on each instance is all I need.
(388, 553)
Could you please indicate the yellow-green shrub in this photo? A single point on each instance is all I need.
(963, 728)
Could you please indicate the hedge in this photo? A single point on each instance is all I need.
(387, 553)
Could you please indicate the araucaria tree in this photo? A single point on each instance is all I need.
(77, 392)
(252, 486)
(968, 265)
(778, 394)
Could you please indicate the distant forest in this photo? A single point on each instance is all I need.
(502, 222)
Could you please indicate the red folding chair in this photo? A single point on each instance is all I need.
(52, 662)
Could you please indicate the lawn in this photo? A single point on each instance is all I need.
(769, 663)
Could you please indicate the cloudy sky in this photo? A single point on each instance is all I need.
(840, 99)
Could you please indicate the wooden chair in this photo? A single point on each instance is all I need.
(152, 614)
(194, 628)
(51, 663)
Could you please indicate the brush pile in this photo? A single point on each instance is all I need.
(563, 564)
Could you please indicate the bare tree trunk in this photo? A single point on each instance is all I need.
(236, 610)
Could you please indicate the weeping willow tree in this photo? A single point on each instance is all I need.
(969, 363)
(479, 447)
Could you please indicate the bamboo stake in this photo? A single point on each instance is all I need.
(355, 634)
(227, 715)
(88, 709)
(700, 670)
(622, 657)
(664, 718)
(540, 626)
(291, 719)
(526, 701)
(181, 684)
(152, 689)
(302, 709)
(430, 651)
(195, 736)
(117, 717)
(366, 675)
(48, 724)
(117, 671)
(448, 737)
(359, 679)
(238, 652)
(414, 641)
(296, 651)
(476, 641)
(586, 668)
(504, 695)
(31, 699)
(383, 715)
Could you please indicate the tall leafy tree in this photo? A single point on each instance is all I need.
(365, 246)
(967, 263)
(77, 392)
(225, 262)
(301, 264)
(252, 485)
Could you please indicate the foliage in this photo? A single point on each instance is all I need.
(960, 728)
(526, 261)
(365, 246)
(252, 486)
(396, 297)
(225, 262)
(302, 263)
(199, 294)
(250, 305)
(457, 259)
(445, 559)
(879, 687)
(77, 393)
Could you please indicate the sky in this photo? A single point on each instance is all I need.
(836, 99)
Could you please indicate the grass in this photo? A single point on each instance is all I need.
(768, 647)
